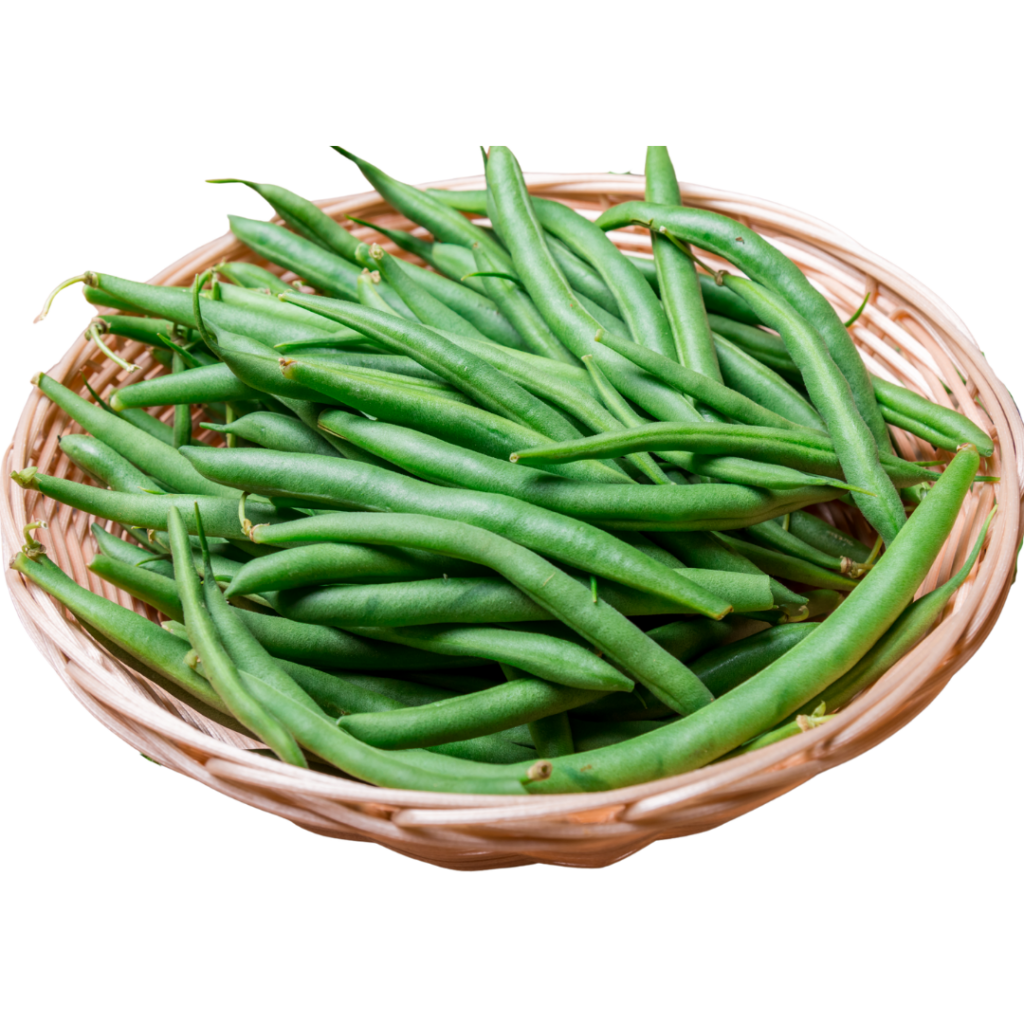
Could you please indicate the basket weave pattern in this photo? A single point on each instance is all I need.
(906, 334)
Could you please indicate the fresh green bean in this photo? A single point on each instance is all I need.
(515, 304)
(622, 411)
(434, 413)
(249, 275)
(466, 716)
(302, 216)
(346, 563)
(724, 668)
(772, 533)
(912, 408)
(102, 463)
(827, 538)
(182, 427)
(677, 276)
(154, 458)
(204, 384)
(131, 554)
(743, 373)
(146, 510)
(777, 563)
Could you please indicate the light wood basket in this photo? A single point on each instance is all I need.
(906, 334)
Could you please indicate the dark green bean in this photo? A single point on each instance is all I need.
(776, 563)
(153, 457)
(774, 535)
(131, 554)
(827, 538)
(519, 310)
(724, 668)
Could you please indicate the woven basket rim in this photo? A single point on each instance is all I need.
(454, 828)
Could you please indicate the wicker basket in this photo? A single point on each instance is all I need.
(906, 334)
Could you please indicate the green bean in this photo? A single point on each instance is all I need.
(439, 462)
(220, 670)
(182, 428)
(767, 349)
(911, 407)
(706, 551)
(421, 247)
(205, 384)
(148, 330)
(515, 304)
(551, 658)
(151, 456)
(453, 599)
(248, 275)
(479, 311)
(445, 224)
(827, 538)
(776, 563)
(552, 735)
(277, 431)
(156, 590)
(799, 675)
(302, 216)
(724, 668)
(142, 639)
(131, 554)
(760, 260)
(346, 563)
(551, 588)
(772, 533)
(582, 277)
(466, 716)
(677, 276)
(902, 636)
(102, 463)
(428, 310)
(622, 411)
(637, 304)
(480, 381)
(146, 510)
(323, 269)
(831, 393)
(743, 373)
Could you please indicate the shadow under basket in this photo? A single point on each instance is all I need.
(905, 334)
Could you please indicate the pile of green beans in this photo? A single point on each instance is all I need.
(539, 517)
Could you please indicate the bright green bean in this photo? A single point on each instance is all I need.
(102, 463)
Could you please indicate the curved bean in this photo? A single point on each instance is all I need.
(102, 463)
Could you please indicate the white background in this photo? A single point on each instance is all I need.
(887, 889)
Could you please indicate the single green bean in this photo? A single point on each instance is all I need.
(102, 463)
(204, 384)
(772, 533)
(776, 563)
(677, 276)
(827, 538)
